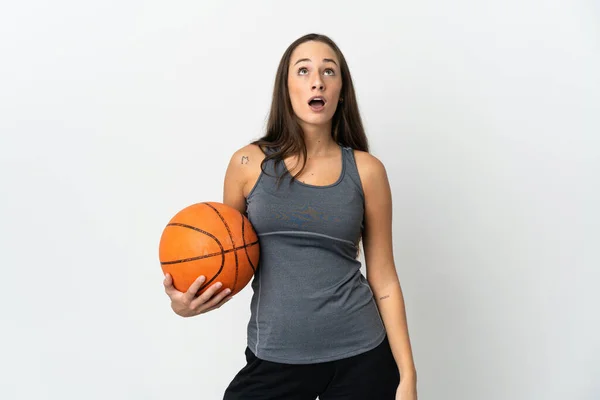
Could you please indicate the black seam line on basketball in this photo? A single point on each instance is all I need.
(246, 249)
(232, 243)
(182, 260)
(216, 240)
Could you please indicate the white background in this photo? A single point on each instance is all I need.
(116, 114)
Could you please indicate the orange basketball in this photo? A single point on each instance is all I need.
(210, 239)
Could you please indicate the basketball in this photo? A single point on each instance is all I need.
(210, 239)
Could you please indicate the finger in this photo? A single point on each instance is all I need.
(210, 297)
(220, 303)
(216, 307)
(168, 284)
(207, 295)
(194, 287)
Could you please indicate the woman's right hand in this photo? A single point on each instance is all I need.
(186, 304)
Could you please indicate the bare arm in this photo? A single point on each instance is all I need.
(236, 178)
(188, 304)
(380, 266)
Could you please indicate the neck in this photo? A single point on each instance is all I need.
(318, 140)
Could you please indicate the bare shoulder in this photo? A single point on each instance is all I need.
(369, 167)
(247, 156)
(244, 168)
(373, 177)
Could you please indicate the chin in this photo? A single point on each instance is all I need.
(317, 119)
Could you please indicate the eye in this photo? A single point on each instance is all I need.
(304, 71)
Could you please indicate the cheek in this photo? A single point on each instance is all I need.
(295, 96)
(338, 88)
(294, 91)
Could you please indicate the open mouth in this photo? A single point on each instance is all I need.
(317, 103)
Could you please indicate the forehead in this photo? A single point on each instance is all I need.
(315, 51)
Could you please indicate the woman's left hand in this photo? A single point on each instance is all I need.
(407, 390)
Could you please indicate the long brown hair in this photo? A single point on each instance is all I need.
(284, 135)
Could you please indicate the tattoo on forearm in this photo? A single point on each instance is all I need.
(384, 297)
(245, 160)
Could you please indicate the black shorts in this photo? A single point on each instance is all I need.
(372, 375)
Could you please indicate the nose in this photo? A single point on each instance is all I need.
(318, 83)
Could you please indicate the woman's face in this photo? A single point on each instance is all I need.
(314, 72)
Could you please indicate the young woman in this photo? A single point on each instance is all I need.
(312, 191)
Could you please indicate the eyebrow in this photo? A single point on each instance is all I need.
(308, 59)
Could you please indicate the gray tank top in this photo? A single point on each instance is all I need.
(310, 301)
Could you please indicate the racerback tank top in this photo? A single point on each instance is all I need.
(310, 301)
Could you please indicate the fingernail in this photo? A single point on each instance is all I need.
(219, 284)
(227, 291)
(202, 278)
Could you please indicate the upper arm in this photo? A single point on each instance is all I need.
(241, 170)
(234, 182)
(377, 234)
